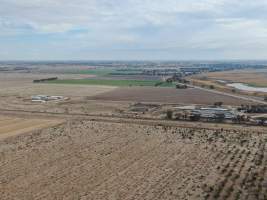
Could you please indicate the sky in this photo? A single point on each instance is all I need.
(133, 29)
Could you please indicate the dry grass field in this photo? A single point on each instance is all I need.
(254, 77)
(10, 126)
(167, 95)
(99, 160)
(17, 88)
(21, 85)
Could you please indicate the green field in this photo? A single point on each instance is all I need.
(119, 83)
(105, 72)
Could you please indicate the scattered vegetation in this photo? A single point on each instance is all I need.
(169, 114)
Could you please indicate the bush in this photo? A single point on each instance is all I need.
(218, 104)
(169, 114)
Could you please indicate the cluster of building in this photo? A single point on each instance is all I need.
(208, 113)
(214, 113)
(218, 114)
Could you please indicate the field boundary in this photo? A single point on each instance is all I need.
(135, 120)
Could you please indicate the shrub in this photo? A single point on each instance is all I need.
(169, 114)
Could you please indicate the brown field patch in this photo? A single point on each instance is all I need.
(255, 77)
(167, 95)
(96, 160)
(15, 126)
(20, 84)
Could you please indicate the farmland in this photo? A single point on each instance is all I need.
(220, 80)
(167, 95)
(97, 160)
(16, 126)
(104, 71)
(102, 142)
(121, 83)
(256, 78)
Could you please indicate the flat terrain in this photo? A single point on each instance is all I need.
(113, 82)
(167, 95)
(92, 147)
(20, 84)
(17, 88)
(99, 160)
(16, 126)
(251, 77)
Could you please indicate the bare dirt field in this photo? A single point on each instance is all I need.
(10, 126)
(99, 160)
(20, 84)
(167, 95)
(17, 88)
(15, 79)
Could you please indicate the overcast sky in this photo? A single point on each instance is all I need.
(133, 29)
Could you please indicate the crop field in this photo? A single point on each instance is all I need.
(167, 95)
(104, 71)
(256, 78)
(100, 160)
(111, 82)
(15, 126)
(21, 85)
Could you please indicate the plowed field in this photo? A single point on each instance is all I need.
(100, 160)
(167, 95)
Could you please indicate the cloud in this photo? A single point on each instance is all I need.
(52, 28)
(176, 28)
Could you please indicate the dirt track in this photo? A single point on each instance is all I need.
(96, 160)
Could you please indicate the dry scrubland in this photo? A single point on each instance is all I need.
(97, 160)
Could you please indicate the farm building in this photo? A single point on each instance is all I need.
(208, 112)
(213, 113)
(45, 98)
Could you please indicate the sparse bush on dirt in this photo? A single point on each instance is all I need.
(169, 114)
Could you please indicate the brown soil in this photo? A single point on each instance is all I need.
(167, 95)
(97, 160)
(16, 126)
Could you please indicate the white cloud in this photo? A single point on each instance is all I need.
(52, 28)
(170, 25)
